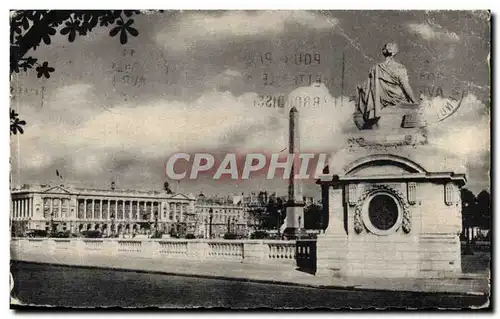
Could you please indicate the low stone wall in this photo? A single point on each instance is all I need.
(244, 251)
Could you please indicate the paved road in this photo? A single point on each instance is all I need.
(82, 287)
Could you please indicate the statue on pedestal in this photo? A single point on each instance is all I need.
(387, 85)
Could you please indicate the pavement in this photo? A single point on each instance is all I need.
(467, 283)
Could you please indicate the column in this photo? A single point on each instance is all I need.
(100, 209)
(109, 205)
(60, 208)
(84, 208)
(93, 208)
(158, 205)
(174, 213)
(26, 207)
(116, 210)
(130, 211)
(138, 210)
(151, 217)
(167, 210)
(21, 205)
(51, 211)
(181, 215)
(14, 208)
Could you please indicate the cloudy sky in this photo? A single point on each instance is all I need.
(196, 81)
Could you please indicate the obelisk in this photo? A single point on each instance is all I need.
(295, 204)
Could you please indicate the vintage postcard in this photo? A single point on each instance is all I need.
(238, 159)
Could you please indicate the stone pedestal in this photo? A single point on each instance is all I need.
(394, 207)
(294, 220)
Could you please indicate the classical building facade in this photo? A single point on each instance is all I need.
(77, 210)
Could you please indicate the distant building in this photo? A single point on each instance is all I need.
(122, 211)
(219, 215)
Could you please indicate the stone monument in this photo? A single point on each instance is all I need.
(393, 199)
(295, 205)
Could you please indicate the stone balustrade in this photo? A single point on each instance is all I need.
(245, 251)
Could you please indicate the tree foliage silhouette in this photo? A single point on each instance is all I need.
(29, 28)
(484, 209)
(469, 208)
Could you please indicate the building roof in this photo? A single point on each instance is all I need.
(63, 189)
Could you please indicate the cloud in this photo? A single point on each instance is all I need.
(465, 133)
(204, 27)
(430, 33)
(229, 80)
(214, 121)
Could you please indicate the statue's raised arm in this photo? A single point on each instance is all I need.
(387, 84)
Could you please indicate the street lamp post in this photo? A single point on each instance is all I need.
(156, 223)
(51, 224)
(211, 216)
(206, 228)
(278, 224)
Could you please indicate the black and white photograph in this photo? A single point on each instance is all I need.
(250, 159)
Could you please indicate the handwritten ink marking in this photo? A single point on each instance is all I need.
(430, 76)
(432, 91)
(270, 101)
(267, 58)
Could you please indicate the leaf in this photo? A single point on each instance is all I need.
(65, 30)
(22, 122)
(133, 31)
(46, 39)
(44, 70)
(114, 31)
(26, 23)
(123, 36)
(20, 129)
(72, 36)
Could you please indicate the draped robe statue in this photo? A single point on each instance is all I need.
(387, 84)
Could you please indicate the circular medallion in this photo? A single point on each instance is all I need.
(381, 213)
